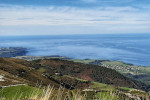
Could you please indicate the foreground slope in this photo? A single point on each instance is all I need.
(19, 74)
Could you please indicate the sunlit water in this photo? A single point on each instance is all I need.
(133, 48)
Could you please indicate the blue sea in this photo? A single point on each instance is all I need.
(129, 48)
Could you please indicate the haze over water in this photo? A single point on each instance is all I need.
(129, 48)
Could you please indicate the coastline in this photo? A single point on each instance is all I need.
(21, 53)
(13, 51)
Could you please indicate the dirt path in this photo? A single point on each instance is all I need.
(12, 85)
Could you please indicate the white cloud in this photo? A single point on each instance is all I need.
(19, 15)
(110, 17)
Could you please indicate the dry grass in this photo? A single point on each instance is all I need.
(51, 93)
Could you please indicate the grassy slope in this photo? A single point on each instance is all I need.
(97, 90)
(82, 61)
(19, 92)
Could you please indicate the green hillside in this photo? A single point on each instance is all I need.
(67, 79)
(140, 73)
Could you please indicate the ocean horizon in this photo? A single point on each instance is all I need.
(129, 48)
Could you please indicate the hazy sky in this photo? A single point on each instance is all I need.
(39, 17)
